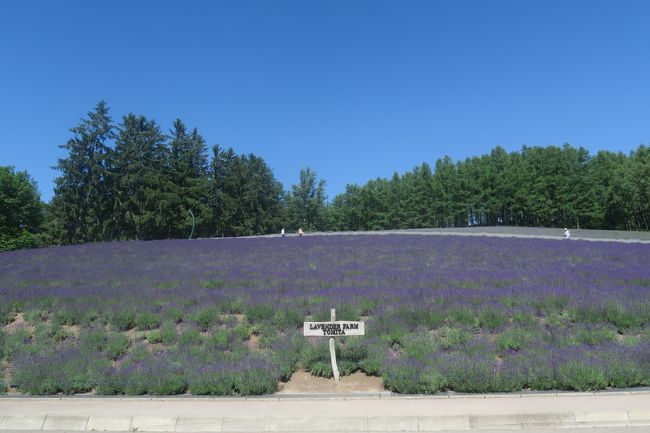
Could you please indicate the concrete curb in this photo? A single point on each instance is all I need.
(327, 424)
(382, 395)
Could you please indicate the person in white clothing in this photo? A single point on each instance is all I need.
(282, 232)
(567, 233)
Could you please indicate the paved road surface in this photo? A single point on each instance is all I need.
(325, 414)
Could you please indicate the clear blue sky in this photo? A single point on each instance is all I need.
(353, 89)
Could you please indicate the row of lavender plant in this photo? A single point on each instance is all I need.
(488, 305)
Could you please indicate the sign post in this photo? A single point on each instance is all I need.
(333, 329)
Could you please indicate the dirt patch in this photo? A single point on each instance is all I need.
(71, 330)
(303, 382)
(253, 342)
(7, 376)
(18, 324)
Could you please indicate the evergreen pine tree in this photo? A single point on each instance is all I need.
(81, 207)
(144, 196)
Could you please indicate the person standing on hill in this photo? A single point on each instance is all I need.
(282, 232)
(567, 233)
(300, 232)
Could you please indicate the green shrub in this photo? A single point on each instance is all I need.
(66, 316)
(168, 334)
(68, 372)
(89, 317)
(261, 312)
(581, 376)
(524, 320)
(147, 320)
(210, 382)
(593, 336)
(463, 315)
(353, 350)
(551, 304)
(625, 374)
(415, 317)
(221, 340)
(6, 315)
(420, 346)
(92, 341)
(367, 307)
(154, 337)
(623, 319)
(256, 381)
(123, 320)
(324, 368)
(408, 379)
(477, 374)
(452, 338)
(116, 345)
(190, 337)
(205, 318)
(3, 345)
(588, 313)
(167, 382)
(56, 333)
(173, 314)
(491, 318)
(288, 319)
(312, 353)
(512, 339)
(36, 316)
(16, 341)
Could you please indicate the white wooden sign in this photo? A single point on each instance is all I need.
(333, 329)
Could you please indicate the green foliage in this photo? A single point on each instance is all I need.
(580, 376)
(6, 314)
(147, 320)
(622, 318)
(477, 374)
(492, 318)
(462, 315)
(81, 208)
(324, 368)
(173, 314)
(67, 316)
(116, 345)
(408, 379)
(288, 319)
(154, 337)
(245, 197)
(306, 204)
(123, 320)
(420, 346)
(524, 320)
(624, 373)
(168, 334)
(453, 338)
(512, 339)
(537, 186)
(594, 335)
(205, 318)
(92, 340)
(3, 345)
(21, 211)
(68, 372)
(260, 312)
(189, 338)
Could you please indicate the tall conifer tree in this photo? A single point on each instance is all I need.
(81, 207)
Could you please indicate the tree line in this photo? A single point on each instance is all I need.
(133, 181)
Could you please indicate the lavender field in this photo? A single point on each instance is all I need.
(224, 316)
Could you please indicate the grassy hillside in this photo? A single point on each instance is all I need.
(225, 316)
